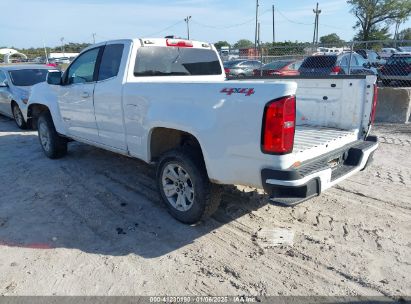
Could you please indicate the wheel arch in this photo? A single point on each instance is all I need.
(33, 112)
(163, 139)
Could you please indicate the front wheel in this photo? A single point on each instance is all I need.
(18, 117)
(54, 146)
(185, 187)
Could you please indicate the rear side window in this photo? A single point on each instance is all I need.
(319, 62)
(174, 61)
(110, 61)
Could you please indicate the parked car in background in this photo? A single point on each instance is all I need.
(405, 49)
(279, 68)
(387, 52)
(372, 56)
(62, 60)
(15, 85)
(324, 65)
(397, 69)
(241, 68)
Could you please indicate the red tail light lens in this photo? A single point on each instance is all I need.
(374, 103)
(227, 71)
(336, 70)
(279, 126)
(179, 43)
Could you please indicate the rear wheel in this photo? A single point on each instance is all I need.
(54, 146)
(18, 117)
(185, 187)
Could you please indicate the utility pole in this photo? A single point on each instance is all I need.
(62, 45)
(45, 52)
(94, 38)
(317, 13)
(256, 26)
(273, 24)
(187, 20)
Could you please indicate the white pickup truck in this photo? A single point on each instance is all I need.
(167, 102)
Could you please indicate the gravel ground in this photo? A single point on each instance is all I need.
(92, 223)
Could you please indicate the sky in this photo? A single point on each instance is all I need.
(33, 23)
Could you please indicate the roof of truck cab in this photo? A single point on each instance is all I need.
(151, 42)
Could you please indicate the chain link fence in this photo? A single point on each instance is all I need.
(389, 60)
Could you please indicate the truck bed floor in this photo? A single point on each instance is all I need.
(309, 137)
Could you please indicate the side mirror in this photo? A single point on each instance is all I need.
(54, 78)
(4, 84)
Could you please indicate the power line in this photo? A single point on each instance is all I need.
(292, 21)
(166, 28)
(231, 25)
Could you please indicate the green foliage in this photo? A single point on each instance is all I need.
(405, 34)
(243, 44)
(220, 44)
(375, 33)
(371, 13)
(331, 39)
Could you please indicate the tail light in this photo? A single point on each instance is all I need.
(336, 70)
(279, 126)
(179, 43)
(226, 70)
(374, 104)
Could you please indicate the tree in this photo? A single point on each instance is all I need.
(371, 13)
(405, 34)
(243, 44)
(220, 44)
(375, 33)
(331, 39)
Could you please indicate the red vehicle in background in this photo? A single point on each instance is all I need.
(279, 68)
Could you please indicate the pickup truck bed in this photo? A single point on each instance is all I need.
(310, 137)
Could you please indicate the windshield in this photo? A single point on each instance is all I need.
(173, 61)
(276, 65)
(28, 77)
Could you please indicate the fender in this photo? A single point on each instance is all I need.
(46, 95)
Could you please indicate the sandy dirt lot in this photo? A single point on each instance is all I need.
(92, 223)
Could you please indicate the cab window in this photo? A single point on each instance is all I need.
(82, 69)
(110, 61)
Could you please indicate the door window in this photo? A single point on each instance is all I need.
(82, 69)
(2, 76)
(110, 61)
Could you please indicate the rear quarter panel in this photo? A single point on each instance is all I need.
(227, 126)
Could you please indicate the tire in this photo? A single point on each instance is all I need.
(190, 197)
(18, 116)
(53, 145)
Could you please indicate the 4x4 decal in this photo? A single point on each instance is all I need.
(245, 91)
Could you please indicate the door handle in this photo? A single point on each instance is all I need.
(85, 95)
